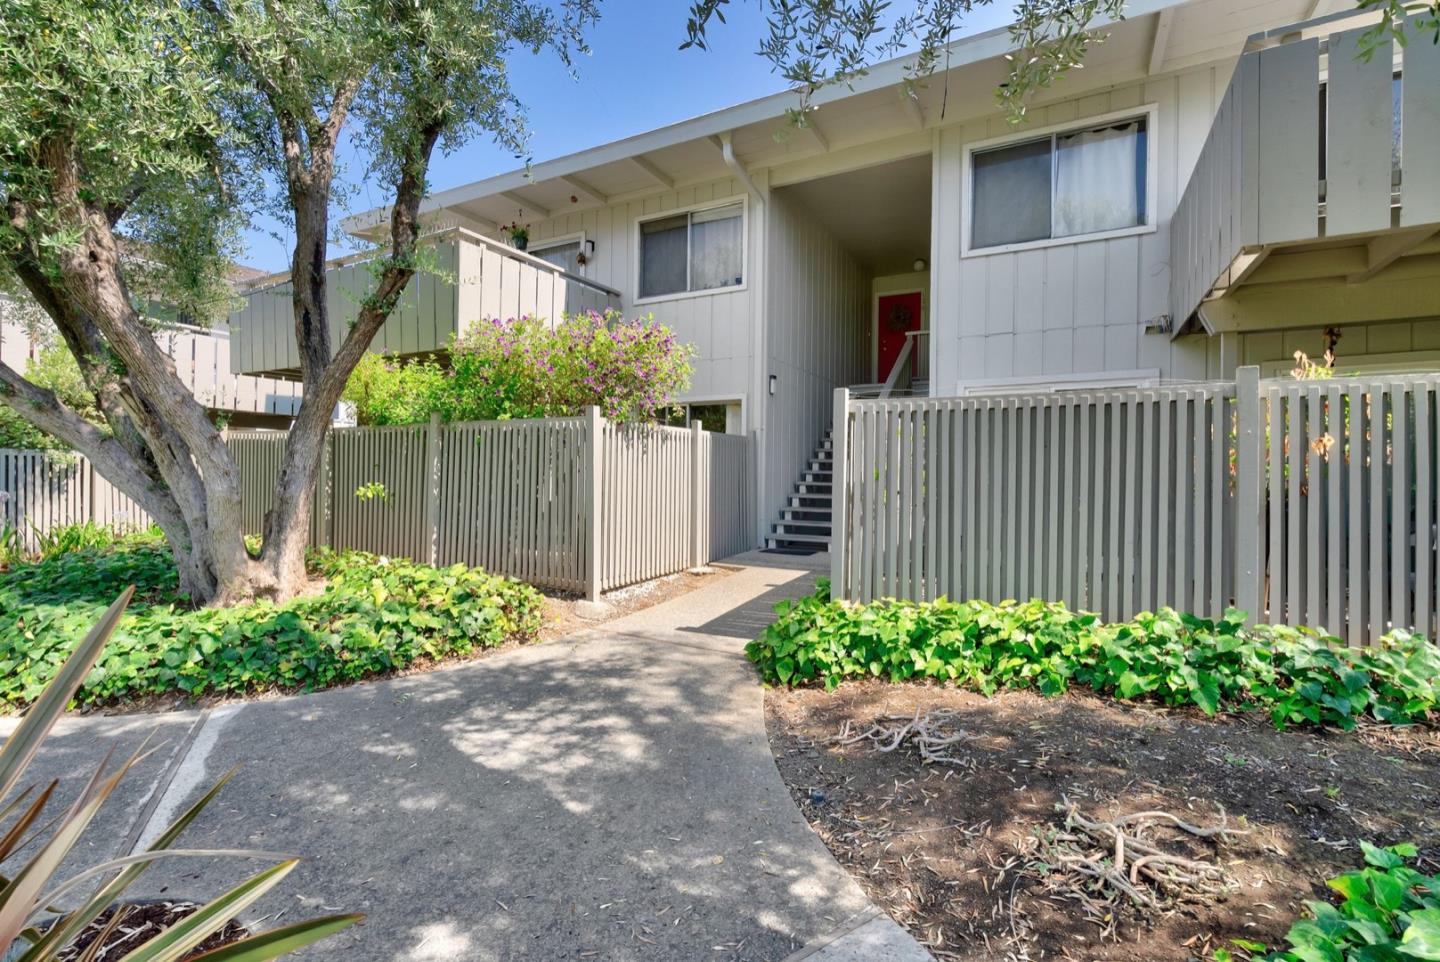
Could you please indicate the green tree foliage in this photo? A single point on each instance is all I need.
(54, 369)
(525, 369)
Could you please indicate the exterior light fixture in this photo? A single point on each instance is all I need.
(772, 384)
(919, 264)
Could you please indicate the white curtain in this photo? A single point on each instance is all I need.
(715, 247)
(1098, 180)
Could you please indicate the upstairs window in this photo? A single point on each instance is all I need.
(1090, 180)
(701, 250)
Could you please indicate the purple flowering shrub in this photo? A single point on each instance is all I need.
(524, 369)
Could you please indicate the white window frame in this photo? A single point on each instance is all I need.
(726, 399)
(1149, 112)
(560, 240)
(744, 202)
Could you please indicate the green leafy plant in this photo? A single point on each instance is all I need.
(67, 538)
(1388, 912)
(524, 368)
(34, 885)
(1298, 675)
(375, 615)
(373, 491)
(12, 548)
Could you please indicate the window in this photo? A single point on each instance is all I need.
(698, 251)
(564, 255)
(712, 417)
(1074, 182)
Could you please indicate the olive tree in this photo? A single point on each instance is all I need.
(137, 135)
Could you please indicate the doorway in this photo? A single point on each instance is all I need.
(897, 315)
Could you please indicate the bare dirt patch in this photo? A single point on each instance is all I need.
(955, 848)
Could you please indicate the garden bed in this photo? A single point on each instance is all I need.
(950, 850)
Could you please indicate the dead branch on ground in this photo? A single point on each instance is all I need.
(931, 735)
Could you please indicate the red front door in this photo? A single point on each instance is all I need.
(898, 313)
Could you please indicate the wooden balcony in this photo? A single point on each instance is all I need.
(1316, 197)
(473, 278)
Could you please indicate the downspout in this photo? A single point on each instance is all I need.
(727, 152)
(760, 226)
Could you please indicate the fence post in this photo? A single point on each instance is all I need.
(839, 484)
(324, 535)
(594, 449)
(433, 435)
(697, 495)
(1249, 491)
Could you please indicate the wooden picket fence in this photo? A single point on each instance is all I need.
(581, 504)
(41, 490)
(1302, 502)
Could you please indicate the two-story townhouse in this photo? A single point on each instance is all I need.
(1223, 183)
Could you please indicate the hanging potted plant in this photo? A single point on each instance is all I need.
(519, 235)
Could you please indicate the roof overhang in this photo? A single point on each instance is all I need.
(1155, 36)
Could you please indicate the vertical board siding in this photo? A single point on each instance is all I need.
(1258, 178)
(1121, 501)
(491, 278)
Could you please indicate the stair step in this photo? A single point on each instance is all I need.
(813, 487)
(801, 527)
(809, 502)
(805, 514)
(776, 541)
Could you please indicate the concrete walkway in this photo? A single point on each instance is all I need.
(609, 796)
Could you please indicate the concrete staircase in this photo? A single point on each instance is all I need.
(804, 523)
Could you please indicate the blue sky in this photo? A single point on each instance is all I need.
(634, 80)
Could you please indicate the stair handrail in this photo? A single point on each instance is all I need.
(902, 365)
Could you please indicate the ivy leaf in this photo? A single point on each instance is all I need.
(1422, 938)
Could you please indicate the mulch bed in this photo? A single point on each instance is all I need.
(972, 851)
(138, 924)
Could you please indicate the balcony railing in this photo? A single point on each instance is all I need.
(473, 278)
(1311, 141)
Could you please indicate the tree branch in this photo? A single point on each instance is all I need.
(43, 409)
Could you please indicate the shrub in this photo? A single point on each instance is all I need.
(1388, 911)
(1300, 676)
(375, 615)
(524, 369)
